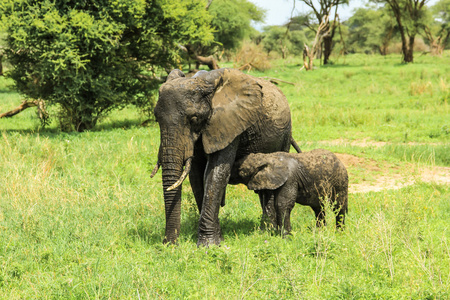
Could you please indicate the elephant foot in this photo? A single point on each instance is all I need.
(170, 241)
(204, 240)
(267, 223)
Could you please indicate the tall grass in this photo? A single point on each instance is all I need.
(80, 217)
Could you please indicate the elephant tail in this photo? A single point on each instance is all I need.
(295, 145)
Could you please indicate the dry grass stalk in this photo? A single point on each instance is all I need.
(251, 57)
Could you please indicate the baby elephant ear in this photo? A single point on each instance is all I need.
(175, 74)
(270, 175)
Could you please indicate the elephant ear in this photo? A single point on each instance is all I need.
(236, 105)
(269, 172)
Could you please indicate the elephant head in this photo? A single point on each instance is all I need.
(269, 171)
(263, 172)
(215, 106)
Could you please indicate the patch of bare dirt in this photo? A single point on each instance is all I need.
(375, 176)
(366, 143)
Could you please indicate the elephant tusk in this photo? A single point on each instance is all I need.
(187, 169)
(155, 169)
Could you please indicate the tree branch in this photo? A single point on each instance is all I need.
(25, 104)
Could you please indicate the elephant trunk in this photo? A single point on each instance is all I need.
(172, 167)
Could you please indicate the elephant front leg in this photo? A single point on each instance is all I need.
(284, 203)
(217, 175)
(269, 218)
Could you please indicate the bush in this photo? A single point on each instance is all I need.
(91, 57)
(251, 56)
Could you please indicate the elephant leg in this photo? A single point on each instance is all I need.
(340, 208)
(284, 203)
(217, 175)
(319, 211)
(269, 218)
(196, 179)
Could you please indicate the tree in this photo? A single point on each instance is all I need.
(322, 9)
(91, 57)
(310, 53)
(437, 31)
(232, 21)
(371, 29)
(283, 41)
(409, 15)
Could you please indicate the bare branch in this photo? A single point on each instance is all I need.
(209, 3)
(276, 80)
(43, 115)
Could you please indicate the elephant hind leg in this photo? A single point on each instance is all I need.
(284, 221)
(320, 216)
(196, 180)
(341, 208)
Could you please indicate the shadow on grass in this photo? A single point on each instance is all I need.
(55, 133)
(244, 226)
(230, 227)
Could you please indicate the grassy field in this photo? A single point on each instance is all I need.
(80, 217)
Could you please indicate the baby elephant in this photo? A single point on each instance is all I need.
(308, 178)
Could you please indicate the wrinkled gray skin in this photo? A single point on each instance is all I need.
(305, 178)
(206, 123)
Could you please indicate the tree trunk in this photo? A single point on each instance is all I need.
(436, 43)
(1, 64)
(327, 47)
(310, 54)
(308, 58)
(209, 61)
(409, 56)
(27, 104)
(385, 41)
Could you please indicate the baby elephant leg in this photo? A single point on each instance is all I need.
(269, 218)
(284, 203)
(340, 208)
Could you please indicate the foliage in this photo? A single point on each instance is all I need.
(91, 57)
(232, 21)
(441, 12)
(280, 39)
(410, 16)
(437, 27)
(324, 10)
(75, 226)
(371, 30)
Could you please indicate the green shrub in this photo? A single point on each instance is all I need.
(91, 57)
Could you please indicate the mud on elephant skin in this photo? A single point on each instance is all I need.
(306, 178)
(206, 123)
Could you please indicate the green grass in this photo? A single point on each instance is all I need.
(81, 218)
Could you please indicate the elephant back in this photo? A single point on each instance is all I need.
(277, 115)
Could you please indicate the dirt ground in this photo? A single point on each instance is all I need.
(378, 176)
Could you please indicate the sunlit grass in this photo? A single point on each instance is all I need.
(81, 218)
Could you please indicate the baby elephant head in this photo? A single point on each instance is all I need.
(265, 171)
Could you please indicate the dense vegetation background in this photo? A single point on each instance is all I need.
(80, 217)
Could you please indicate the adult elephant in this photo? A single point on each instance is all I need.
(206, 123)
